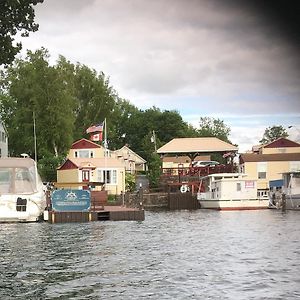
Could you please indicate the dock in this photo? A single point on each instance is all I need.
(97, 209)
(109, 213)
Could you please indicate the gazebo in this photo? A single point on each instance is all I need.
(192, 147)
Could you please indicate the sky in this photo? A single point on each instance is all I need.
(203, 58)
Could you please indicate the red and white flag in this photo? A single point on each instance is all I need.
(96, 137)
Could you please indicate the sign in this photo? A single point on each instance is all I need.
(71, 200)
(249, 184)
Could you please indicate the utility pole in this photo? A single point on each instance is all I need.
(153, 140)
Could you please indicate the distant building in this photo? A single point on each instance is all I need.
(90, 165)
(133, 162)
(269, 161)
(3, 141)
(180, 152)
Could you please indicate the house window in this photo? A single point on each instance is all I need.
(107, 176)
(84, 154)
(261, 170)
(238, 187)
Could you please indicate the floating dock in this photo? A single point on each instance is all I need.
(108, 213)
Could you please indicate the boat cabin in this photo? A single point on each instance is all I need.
(227, 186)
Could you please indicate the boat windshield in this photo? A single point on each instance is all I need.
(17, 180)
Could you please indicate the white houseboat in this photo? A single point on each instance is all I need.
(229, 191)
(22, 196)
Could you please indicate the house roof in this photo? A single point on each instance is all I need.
(252, 157)
(92, 163)
(196, 145)
(85, 144)
(126, 148)
(282, 143)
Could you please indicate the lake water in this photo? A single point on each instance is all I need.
(199, 254)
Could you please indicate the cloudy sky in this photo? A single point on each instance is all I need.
(221, 59)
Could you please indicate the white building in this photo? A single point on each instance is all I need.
(3, 141)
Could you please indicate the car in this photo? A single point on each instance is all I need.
(204, 163)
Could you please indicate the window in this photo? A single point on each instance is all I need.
(107, 176)
(84, 154)
(261, 170)
(238, 187)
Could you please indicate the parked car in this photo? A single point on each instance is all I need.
(203, 163)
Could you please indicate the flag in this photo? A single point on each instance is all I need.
(95, 128)
(96, 137)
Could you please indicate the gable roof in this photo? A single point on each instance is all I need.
(196, 145)
(79, 163)
(282, 143)
(252, 157)
(85, 144)
(126, 148)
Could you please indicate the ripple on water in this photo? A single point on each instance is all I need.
(171, 255)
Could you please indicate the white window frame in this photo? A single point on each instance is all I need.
(113, 176)
(89, 153)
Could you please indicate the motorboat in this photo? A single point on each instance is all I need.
(22, 193)
(229, 191)
(287, 196)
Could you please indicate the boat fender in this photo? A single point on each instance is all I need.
(183, 188)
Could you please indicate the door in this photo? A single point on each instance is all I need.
(85, 178)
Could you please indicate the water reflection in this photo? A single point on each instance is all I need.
(171, 255)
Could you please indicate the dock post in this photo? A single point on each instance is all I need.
(283, 201)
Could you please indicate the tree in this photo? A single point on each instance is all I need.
(36, 90)
(211, 127)
(273, 133)
(15, 16)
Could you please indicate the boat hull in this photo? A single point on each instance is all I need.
(234, 204)
(33, 212)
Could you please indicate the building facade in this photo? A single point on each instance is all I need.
(270, 161)
(3, 141)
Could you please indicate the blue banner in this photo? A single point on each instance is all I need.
(71, 200)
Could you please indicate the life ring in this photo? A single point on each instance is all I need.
(184, 188)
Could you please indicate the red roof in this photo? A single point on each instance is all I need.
(84, 144)
(282, 143)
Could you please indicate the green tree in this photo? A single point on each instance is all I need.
(37, 91)
(273, 133)
(211, 127)
(96, 98)
(154, 170)
(15, 16)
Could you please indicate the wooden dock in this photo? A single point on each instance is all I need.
(108, 213)
(100, 210)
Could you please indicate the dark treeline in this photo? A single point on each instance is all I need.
(65, 99)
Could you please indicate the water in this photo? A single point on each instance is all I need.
(171, 255)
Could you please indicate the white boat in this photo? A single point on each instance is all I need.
(287, 196)
(22, 195)
(229, 191)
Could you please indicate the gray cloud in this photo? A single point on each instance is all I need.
(211, 57)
